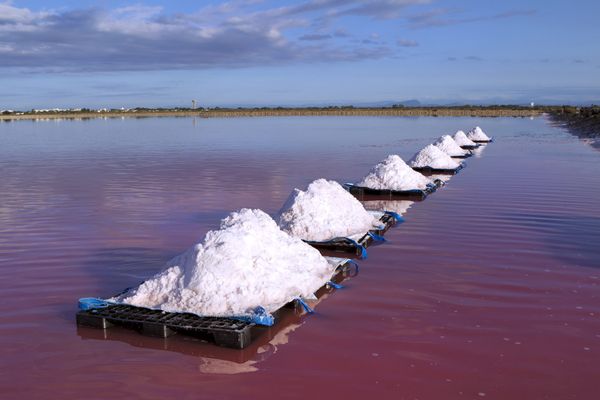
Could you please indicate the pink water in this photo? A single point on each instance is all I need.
(490, 289)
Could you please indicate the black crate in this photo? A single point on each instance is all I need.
(365, 193)
(428, 171)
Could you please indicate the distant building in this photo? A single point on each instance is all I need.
(193, 104)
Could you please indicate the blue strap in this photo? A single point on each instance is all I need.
(376, 237)
(395, 215)
(335, 285)
(305, 306)
(90, 303)
(363, 250)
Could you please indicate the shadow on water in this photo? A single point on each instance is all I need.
(572, 240)
(213, 359)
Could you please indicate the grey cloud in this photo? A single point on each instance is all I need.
(341, 33)
(315, 36)
(443, 17)
(406, 43)
(144, 38)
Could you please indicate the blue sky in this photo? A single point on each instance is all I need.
(258, 52)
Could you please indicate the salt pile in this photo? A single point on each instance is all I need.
(394, 174)
(449, 146)
(461, 139)
(248, 262)
(324, 211)
(478, 134)
(433, 157)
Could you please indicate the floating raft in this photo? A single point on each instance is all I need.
(470, 147)
(225, 332)
(350, 247)
(483, 141)
(360, 192)
(428, 171)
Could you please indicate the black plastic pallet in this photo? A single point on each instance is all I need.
(483, 141)
(428, 171)
(462, 157)
(225, 332)
(348, 247)
(360, 192)
(470, 147)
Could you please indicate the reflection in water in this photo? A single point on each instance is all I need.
(478, 152)
(443, 178)
(452, 306)
(397, 206)
(212, 359)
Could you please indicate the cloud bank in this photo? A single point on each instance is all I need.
(234, 34)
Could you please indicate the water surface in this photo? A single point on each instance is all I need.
(489, 289)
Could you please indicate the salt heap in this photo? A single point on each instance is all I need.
(461, 139)
(248, 262)
(324, 211)
(393, 174)
(433, 157)
(449, 146)
(478, 134)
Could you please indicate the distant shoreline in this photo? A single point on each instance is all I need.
(289, 112)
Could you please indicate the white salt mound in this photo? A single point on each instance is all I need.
(248, 262)
(394, 174)
(433, 157)
(449, 146)
(324, 211)
(461, 139)
(477, 134)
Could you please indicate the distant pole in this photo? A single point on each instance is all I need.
(193, 104)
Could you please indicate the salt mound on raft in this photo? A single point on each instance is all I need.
(324, 211)
(393, 174)
(449, 146)
(478, 134)
(248, 262)
(433, 157)
(461, 139)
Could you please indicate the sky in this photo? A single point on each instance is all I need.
(81, 53)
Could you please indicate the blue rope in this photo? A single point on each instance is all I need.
(396, 216)
(363, 250)
(305, 306)
(376, 237)
(335, 285)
